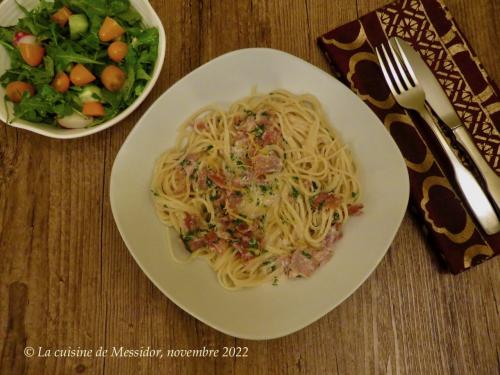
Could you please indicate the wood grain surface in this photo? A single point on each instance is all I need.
(67, 279)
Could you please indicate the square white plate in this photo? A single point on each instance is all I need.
(268, 311)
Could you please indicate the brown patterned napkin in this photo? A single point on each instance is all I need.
(430, 28)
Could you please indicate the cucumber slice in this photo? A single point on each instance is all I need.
(78, 25)
(90, 93)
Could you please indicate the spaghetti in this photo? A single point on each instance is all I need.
(260, 191)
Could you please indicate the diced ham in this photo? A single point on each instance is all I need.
(211, 238)
(249, 124)
(233, 200)
(333, 235)
(264, 164)
(243, 180)
(220, 246)
(189, 164)
(322, 256)
(270, 137)
(200, 126)
(355, 209)
(196, 244)
(264, 120)
(301, 264)
(202, 178)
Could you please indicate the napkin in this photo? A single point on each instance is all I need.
(429, 27)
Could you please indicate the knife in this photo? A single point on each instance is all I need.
(438, 100)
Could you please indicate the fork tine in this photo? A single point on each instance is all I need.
(402, 72)
(405, 61)
(387, 76)
(393, 71)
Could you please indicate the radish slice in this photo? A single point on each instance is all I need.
(25, 37)
(74, 121)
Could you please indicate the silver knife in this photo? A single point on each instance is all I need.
(438, 100)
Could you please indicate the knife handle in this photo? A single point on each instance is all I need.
(472, 192)
(491, 179)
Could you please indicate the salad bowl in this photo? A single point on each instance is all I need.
(10, 12)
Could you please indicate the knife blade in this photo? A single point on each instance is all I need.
(437, 99)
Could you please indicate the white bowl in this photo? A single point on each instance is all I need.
(10, 13)
(266, 311)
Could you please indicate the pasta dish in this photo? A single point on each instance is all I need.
(260, 190)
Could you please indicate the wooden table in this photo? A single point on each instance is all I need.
(67, 279)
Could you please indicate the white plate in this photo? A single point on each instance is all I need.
(10, 13)
(268, 311)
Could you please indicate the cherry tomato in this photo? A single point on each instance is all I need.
(16, 89)
(110, 29)
(80, 75)
(61, 82)
(32, 54)
(113, 78)
(61, 17)
(95, 109)
(117, 51)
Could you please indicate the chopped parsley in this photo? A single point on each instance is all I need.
(306, 254)
(266, 262)
(213, 195)
(155, 193)
(295, 178)
(209, 182)
(184, 162)
(249, 112)
(253, 243)
(209, 147)
(265, 188)
(314, 185)
(273, 268)
(336, 216)
(275, 280)
(354, 194)
(295, 192)
(264, 114)
(258, 131)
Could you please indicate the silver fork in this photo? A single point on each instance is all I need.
(409, 94)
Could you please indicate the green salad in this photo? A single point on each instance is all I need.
(77, 63)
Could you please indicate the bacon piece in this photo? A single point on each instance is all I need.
(355, 209)
(267, 164)
(327, 200)
(218, 179)
(190, 222)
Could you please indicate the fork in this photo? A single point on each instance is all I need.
(409, 94)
